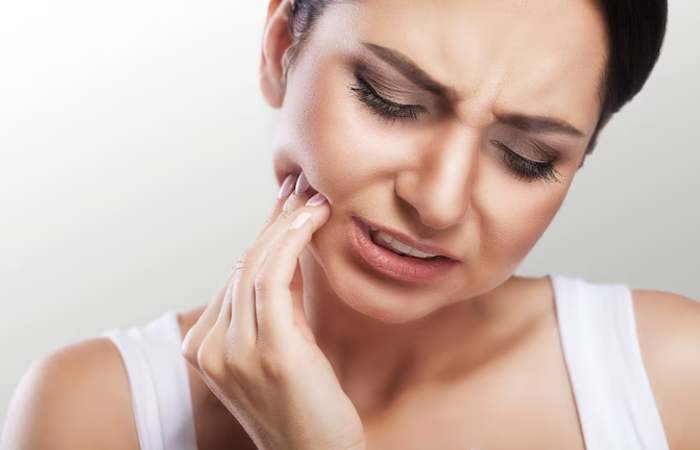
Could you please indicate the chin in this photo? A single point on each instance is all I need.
(332, 267)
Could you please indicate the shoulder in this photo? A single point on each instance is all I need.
(75, 398)
(668, 327)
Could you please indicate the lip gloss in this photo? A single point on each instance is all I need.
(401, 268)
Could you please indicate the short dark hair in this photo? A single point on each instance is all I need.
(636, 30)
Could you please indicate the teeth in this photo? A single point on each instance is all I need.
(400, 246)
(385, 237)
(419, 254)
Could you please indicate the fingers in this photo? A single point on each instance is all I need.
(244, 322)
(242, 326)
(273, 299)
(288, 186)
(199, 331)
(289, 198)
(256, 299)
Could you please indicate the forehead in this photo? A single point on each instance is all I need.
(541, 57)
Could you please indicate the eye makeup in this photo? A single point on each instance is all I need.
(389, 111)
(525, 168)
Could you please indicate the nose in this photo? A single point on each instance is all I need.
(439, 187)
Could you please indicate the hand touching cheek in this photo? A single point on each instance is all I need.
(254, 347)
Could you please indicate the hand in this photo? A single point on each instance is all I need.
(255, 350)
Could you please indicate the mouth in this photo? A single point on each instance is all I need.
(402, 244)
(385, 240)
(396, 256)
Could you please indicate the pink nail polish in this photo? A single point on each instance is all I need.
(302, 184)
(317, 199)
(287, 186)
(299, 221)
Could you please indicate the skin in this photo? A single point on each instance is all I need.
(456, 359)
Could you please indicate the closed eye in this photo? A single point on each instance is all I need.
(386, 109)
(525, 168)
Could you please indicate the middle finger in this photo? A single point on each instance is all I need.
(243, 320)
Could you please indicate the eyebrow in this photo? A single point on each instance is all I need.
(411, 70)
(540, 124)
(524, 122)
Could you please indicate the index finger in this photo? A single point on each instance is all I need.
(294, 183)
(284, 192)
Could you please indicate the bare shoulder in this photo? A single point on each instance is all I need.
(669, 337)
(76, 398)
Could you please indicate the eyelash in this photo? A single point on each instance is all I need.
(388, 111)
(527, 169)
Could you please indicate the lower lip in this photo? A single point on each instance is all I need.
(397, 267)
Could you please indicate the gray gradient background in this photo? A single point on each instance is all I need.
(134, 168)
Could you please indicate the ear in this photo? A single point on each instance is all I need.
(276, 41)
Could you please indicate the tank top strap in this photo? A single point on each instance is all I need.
(614, 399)
(159, 383)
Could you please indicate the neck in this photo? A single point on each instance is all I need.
(376, 361)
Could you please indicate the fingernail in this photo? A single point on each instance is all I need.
(287, 186)
(302, 184)
(299, 221)
(317, 199)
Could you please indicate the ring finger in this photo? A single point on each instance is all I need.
(243, 318)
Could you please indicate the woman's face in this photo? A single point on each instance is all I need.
(470, 151)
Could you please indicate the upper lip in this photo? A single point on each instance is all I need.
(411, 242)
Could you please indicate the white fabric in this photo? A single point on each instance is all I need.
(598, 332)
(160, 390)
(598, 335)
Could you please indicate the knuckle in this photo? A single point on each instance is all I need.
(243, 264)
(263, 284)
(208, 360)
(265, 280)
(285, 214)
(190, 349)
(243, 261)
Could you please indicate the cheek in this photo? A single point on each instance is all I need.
(314, 134)
(514, 215)
(326, 131)
(352, 157)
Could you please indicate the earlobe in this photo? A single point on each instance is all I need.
(276, 41)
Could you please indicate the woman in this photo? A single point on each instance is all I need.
(422, 149)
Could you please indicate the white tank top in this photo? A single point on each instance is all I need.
(598, 332)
